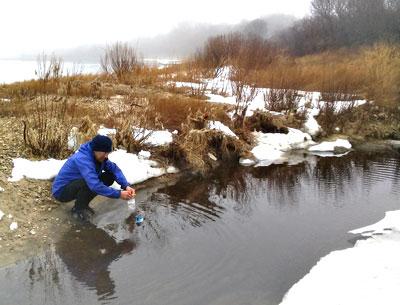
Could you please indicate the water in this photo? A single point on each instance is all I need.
(19, 70)
(241, 236)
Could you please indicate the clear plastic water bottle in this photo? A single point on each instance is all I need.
(132, 204)
(139, 217)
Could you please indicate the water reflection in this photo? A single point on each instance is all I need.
(87, 253)
(199, 200)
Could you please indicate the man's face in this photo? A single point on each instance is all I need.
(100, 156)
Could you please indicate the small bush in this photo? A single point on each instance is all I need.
(281, 100)
(121, 60)
(266, 123)
(47, 128)
(173, 111)
(196, 145)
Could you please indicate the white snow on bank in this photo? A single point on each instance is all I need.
(1, 214)
(134, 168)
(391, 222)
(44, 170)
(104, 131)
(325, 154)
(217, 125)
(311, 125)
(368, 273)
(257, 103)
(271, 147)
(330, 145)
(154, 137)
(1, 189)
(267, 155)
(144, 154)
(294, 139)
(219, 90)
(137, 169)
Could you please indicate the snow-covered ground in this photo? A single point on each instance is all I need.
(368, 273)
(219, 90)
(217, 125)
(330, 145)
(153, 137)
(272, 147)
(135, 168)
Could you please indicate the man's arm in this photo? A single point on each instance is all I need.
(119, 176)
(88, 172)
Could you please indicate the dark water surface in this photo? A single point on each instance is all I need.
(242, 236)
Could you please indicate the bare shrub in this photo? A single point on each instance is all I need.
(197, 144)
(334, 112)
(281, 100)
(134, 124)
(120, 59)
(46, 129)
(49, 70)
(253, 54)
(266, 123)
(174, 111)
(245, 94)
(47, 123)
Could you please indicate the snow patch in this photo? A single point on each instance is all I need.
(246, 162)
(154, 137)
(104, 131)
(44, 170)
(134, 168)
(1, 214)
(144, 154)
(391, 222)
(271, 147)
(368, 273)
(217, 125)
(311, 125)
(294, 139)
(330, 146)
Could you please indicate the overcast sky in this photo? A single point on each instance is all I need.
(33, 25)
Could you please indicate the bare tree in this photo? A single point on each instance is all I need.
(120, 59)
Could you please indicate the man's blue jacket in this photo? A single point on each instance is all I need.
(82, 165)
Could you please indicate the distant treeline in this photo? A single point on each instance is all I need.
(335, 24)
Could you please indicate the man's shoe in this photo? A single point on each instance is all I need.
(89, 209)
(81, 215)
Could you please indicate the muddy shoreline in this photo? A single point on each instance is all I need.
(40, 218)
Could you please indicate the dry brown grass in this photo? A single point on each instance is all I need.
(174, 110)
(281, 100)
(368, 72)
(266, 123)
(196, 145)
(47, 126)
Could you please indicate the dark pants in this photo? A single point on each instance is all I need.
(79, 190)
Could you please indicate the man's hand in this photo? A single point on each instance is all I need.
(126, 195)
(131, 191)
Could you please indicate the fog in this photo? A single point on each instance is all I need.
(31, 27)
(182, 41)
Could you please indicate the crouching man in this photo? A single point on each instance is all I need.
(88, 173)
